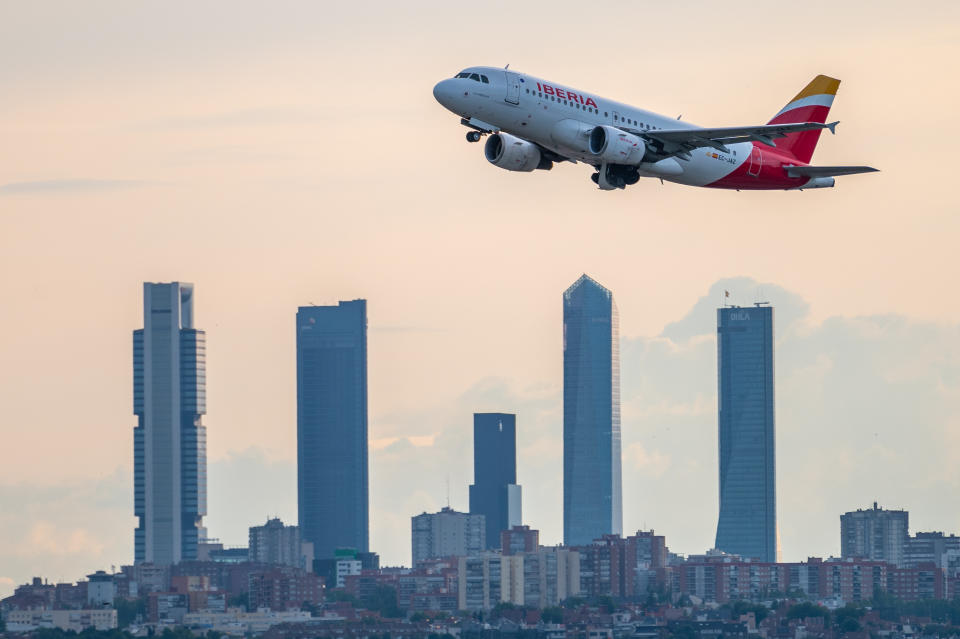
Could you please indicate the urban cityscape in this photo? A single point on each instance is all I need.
(499, 320)
(482, 572)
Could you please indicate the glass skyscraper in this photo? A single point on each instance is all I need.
(748, 505)
(494, 492)
(332, 493)
(592, 502)
(169, 440)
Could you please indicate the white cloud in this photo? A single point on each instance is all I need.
(868, 409)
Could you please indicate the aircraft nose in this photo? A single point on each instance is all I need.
(444, 92)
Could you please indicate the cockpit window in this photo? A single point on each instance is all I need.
(476, 77)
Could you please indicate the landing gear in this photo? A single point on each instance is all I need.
(615, 176)
(474, 136)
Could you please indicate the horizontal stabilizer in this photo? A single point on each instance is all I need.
(827, 171)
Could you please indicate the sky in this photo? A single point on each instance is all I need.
(289, 153)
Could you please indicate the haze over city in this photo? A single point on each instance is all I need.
(288, 155)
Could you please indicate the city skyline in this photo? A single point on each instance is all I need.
(234, 145)
(713, 310)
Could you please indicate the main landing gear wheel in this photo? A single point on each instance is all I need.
(474, 136)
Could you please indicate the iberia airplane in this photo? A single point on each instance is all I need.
(533, 123)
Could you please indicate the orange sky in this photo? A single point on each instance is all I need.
(292, 153)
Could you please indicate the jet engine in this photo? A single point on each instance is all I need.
(614, 146)
(513, 154)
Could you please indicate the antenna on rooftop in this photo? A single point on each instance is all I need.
(760, 297)
(448, 490)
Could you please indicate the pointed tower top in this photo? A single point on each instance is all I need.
(585, 280)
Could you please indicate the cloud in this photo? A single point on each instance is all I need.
(53, 187)
(66, 530)
(864, 411)
(744, 291)
(46, 539)
(868, 408)
(245, 488)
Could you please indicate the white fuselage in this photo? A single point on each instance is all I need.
(559, 119)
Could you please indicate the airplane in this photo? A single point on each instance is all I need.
(533, 123)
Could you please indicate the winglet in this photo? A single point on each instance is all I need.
(833, 127)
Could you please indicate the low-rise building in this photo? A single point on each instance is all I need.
(284, 588)
(274, 543)
(537, 579)
(101, 590)
(928, 547)
(447, 533)
(75, 620)
(519, 539)
(874, 533)
(239, 622)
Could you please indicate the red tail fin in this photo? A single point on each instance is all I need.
(810, 105)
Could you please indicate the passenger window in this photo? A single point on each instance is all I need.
(605, 114)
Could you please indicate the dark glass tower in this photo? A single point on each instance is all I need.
(494, 492)
(592, 503)
(332, 494)
(748, 505)
(169, 440)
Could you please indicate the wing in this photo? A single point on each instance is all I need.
(682, 141)
(827, 171)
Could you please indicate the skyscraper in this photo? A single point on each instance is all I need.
(332, 493)
(748, 502)
(494, 493)
(592, 503)
(169, 440)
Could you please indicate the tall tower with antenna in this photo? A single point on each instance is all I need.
(747, 524)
